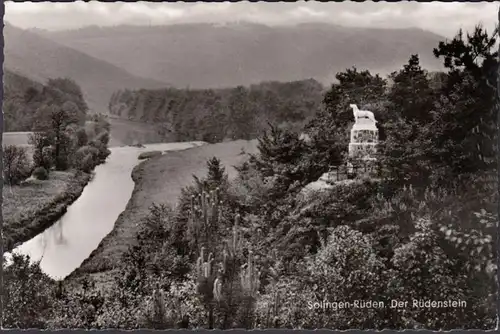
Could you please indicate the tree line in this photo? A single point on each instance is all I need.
(214, 115)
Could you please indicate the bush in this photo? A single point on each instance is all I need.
(103, 137)
(102, 150)
(16, 166)
(104, 153)
(47, 157)
(150, 154)
(82, 137)
(86, 158)
(40, 173)
(87, 163)
(27, 294)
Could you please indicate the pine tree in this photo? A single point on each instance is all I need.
(465, 115)
(411, 96)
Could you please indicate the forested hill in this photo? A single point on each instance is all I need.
(27, 102)
(40, 59)
(215, 56)
(214, 115)
(16, 112)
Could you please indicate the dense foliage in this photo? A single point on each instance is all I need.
(256, 252)
(27, 102)
(63, 135)
(16, 165)
(215, 115)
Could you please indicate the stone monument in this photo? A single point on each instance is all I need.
(362, 150)
(364, 135)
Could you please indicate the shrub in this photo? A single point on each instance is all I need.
(150, 154)
(102, 149)
(251, 189)
(48, 157)
(82, 137)
(16, 166)
(86, 158)
(103, 137)
(27, 295)
(42, 153)
(40, 173)
(423, 271)
(88, 163)
(105, 153)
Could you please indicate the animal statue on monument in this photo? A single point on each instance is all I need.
(362, 114)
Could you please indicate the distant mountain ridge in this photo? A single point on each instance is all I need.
(207, 55)
(40, 58)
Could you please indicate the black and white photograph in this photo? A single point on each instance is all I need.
(250, 165)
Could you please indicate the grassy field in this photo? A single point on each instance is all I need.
(123, 132)
(30, 208)
(157, 180)
(18, 139)
(15, 138)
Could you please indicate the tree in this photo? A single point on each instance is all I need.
(82, 138)
(73, 112)
(287, 159)
(66, 90)
(216, 174)
(450, 132)
(346, 268)
(473, 53)
(411, 95)
(462, 137)
(407, 154)
(41, 142)
(28, 294)
(16, 166)
(329, 129)
(240, 114)
(468, 97)
(60, 119)
(353, 87)
(56, 128)
(425, 272)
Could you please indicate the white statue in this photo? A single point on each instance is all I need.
(362, 114)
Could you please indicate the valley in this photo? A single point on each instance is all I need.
(166, 177)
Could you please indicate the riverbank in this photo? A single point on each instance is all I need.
(157, 180)
(30, 208)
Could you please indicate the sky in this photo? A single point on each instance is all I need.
(441, 18)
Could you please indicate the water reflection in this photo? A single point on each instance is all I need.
(59, 236)
(63, 247)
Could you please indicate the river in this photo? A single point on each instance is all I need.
(66, 244)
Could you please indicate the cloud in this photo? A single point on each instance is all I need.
(20, 8)
(203, 8)
(441, 18)
(306, 12)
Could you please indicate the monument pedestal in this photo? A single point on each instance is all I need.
(362, 150)
(363, 147)
(364, 140)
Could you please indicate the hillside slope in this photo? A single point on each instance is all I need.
(19, 112)
(17, 117)
(27, 103)
(211, 56)
(39, 58)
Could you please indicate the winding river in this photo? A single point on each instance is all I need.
(66, 244)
